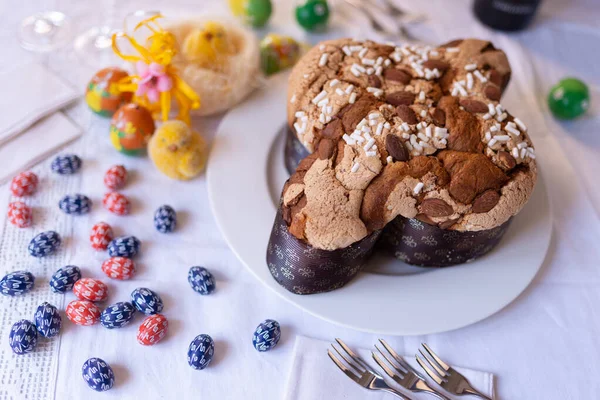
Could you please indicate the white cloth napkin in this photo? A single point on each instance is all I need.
(35, 144)
(314, 376)
(29, 93)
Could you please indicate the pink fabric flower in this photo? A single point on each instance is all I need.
(153, 80)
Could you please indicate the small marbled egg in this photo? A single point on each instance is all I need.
(16, 283)
(66, 164)
(201, 352)
(44, 244)
(19, 214)
(47, 320)
(64, 278)
(165, 219)
(267, 335)
(201, 280)
(76, 204)
(82, 312)
(152, 330)
(22, 337)
(120, 268)
(101, 235)
(115, 177)
(24, 184)
(146, 301)
(124, 246)
(90, 289)
(98, 374)
(117, 315)
(116, 203)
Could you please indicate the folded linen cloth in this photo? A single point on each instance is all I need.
(314, 376)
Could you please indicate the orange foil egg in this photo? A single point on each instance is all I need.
(131, 128)
(102, 95)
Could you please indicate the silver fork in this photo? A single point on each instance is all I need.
(400, 31)
(402, 373)
(446, 376)
(359, 371)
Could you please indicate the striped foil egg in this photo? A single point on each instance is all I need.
(44, 244)
(82, 312)
(124, 246)
(152, 330)
(120, 268)
(64, 278)
(165, 219)
(24, 184)
(16, 283)
(98, 375)
(101, 235)
(115, 177)
(267, 335)
(75, 204)
(201, 351)
(66, 164)
(22, 337)
(90, 289)
(116, 203)
(146, 301)
(47, 320)
(201, 280)
(117, 315)
(19, 214)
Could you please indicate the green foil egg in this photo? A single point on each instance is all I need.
(569, 98)
(312, 15)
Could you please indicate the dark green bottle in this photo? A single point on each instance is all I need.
(506, 15)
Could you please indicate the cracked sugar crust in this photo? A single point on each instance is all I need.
(458, 159)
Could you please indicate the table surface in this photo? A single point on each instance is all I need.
(543, 346)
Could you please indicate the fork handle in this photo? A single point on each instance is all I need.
(396, 393)
(476, 393)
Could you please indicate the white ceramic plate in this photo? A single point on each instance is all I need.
(245, 177)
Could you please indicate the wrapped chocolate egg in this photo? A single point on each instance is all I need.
(66, 164)
(201, 351)
(19, 214)
(101, 235)
(47, 320)
(146, 301)
(116, 203)
(102, 95)
(120, 268)
(24, 184)
(22, 337)
(82, 312)
(64, 279)
(124, 246)
(117, 315)
(152, 330)
(75, 204)
(16, 283)
(131, 128)
(90, 289)
(44, 244)
(312, 15)
(98, 374)
(115, 177)
(201, 280)
(165, 219)
(267, 335)
(254, 12)
(278, 52)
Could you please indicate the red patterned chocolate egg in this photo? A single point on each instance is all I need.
(116, 203)
(83, 312)
(115, 177)
(19, 214)
(119, 268)
(152, 330)
(101, 235)
(24, 184)
(90, 289)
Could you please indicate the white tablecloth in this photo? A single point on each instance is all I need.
(543, 346)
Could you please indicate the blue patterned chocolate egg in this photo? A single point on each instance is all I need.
(47, 320)
(66, 164)
(76, 204)
(146, 301)
(16, 283)
(22, 337)
(64, 278)
(117, 315)
(201, 352)
(201, 280)
(124, 246)
(267, 335)
(44, 244)
(98, 374)
(165, 219)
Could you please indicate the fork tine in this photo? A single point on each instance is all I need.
(341, 366)
(352, 355)
(435, 357)
(357, 368)
(383, 366)
(405, 366)
(399, 371)
(429, 372)
(437, 369)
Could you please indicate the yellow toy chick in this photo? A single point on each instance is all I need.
(177, 151)
(208, 47)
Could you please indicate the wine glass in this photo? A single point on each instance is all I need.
(45, 31)
(94, 46)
